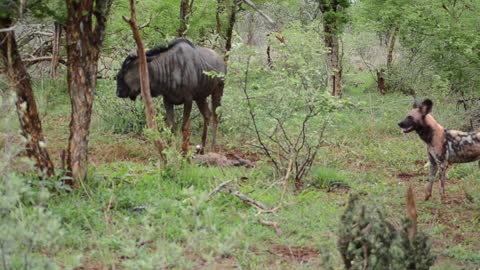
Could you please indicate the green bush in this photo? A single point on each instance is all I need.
(366, 240)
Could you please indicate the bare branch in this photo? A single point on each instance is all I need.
(263, 14)
(8, 29)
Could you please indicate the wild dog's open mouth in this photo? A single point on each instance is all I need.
(406, 130)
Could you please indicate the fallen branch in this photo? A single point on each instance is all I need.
(218, 189)
(261, 208)
(248, 200)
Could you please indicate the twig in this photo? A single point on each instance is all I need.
(248, 200)
(272, 224)
(218, 188)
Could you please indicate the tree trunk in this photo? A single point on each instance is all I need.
(251, 30)
(231, 25)
(25, 102)
(185, 12)
(218, 18)
(84, 40)
(381, 81)
(56, 49)
(150, 110)
(334, 62)
(391, 46)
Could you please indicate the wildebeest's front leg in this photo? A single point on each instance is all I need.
(170, 115)
(205, 111)
(187, 108)
(431, 177)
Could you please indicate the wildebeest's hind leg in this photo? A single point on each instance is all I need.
(187, 108)
(216, 102)
(431, 177)
(205, 111)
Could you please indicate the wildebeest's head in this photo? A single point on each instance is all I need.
(415, 120)
(128, 78)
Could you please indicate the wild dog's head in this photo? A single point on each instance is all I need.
(415, 120)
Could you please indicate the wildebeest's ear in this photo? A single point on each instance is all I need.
(427, 105)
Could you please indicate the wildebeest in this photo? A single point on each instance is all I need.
(179, 73)
(444, 146)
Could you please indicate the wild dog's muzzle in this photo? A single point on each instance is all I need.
(407, 125)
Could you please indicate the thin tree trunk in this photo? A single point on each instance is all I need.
(391, 46)
(56, 49)
(84, 40)
(251, 30)
(231, 25)
(334, 62)
(185, 12)
(381, 81)
(218, 18)
(25, 102)
(150, 110)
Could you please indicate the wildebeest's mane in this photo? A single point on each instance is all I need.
(158, 49)
(165, 47)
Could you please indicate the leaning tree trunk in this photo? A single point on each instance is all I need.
(25, 101)
(391, 46)
(334, 62)
(150, 110)
(84, 39)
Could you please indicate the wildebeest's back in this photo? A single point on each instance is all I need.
(178, 73)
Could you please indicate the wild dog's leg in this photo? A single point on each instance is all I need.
(187, 108)
(216, 102)
(205, 111)
(169, 111)
(431, 177)
(443, 171)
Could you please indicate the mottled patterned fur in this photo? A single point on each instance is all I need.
(444, 146)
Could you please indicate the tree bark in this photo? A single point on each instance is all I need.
(381, 81)
(25, 102)
(56, 49)
(331, 29)
(218, 18)
(150, 110)
(231, 25)
(84, 39)
(391, 46)
(185, 12)
(334, 62)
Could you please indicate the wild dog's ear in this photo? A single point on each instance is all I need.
(426, 106)
(416, 103)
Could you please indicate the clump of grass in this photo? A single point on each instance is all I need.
(328, 178)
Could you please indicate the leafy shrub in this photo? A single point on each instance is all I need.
(284, 104)
(29, 232)
(368, 241)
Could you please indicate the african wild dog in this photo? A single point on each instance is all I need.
(444, 146)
